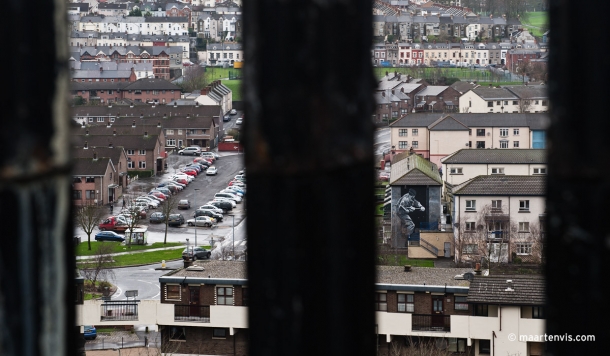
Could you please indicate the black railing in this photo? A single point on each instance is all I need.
(119, 311)
(430, 322)
(197, 313)
(429, 247)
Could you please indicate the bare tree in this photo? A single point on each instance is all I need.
(167, 207)
(194, 78)
(527, 245)
(88, 217)
(133, 212)
(99, 266)
(420, 347)
(525, 104)
(523, 69)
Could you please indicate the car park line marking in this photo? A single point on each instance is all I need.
(156, 285)
(119, 290)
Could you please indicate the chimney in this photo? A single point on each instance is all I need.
(196, 104)
(110, 104)
(82, 124)
(114, 132)
(159, 124)
(165, 116)
(141, 116)
(145, 133)
(131, 105)
(175, 104)
(452, 16)
(87, 132)
(108, 124)
(392, 91)
(86, 146)
(188, 116)
(110, 144)
(509, 287)
(101, 69)
(133, 124)
(95, 156)
(402, 89)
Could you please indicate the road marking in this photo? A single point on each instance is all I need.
(119, 290)
(154, 284)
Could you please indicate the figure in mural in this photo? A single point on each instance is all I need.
(406, 205)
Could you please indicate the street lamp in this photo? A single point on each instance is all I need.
(195, 216)
(233, 217)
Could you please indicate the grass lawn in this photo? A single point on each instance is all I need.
(147, 257)
(379, 209)
(214, 73)
(235, 86)
(465, 74)
(536, 22)
(82, 248)
(401, 260)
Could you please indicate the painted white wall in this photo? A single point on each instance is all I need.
(472, 170)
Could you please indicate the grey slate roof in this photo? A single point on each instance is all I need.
(146, 110)
(89, 166)
(494, 93)
(503, 185)
(526, 290)
(463, 87)
(447, 123)
(535, 121)
(529, 91)
(151, 84)
(504, 156)
(138, 142)
(433, 90)
(113, 153)
(413, 170)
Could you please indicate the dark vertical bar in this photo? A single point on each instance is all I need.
(578, 243)
(309, 139)
(37, 293)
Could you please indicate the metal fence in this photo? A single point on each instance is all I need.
(198, 313)
(427, 322)
(119, 311)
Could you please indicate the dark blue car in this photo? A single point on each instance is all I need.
(109, 236)
(90, 332)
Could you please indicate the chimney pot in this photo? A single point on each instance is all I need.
(145, 133)
(95, 156)
(133, 124)
(114, 132)
(110, 144)
(86, 145)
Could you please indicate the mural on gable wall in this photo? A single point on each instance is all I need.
(409, 212)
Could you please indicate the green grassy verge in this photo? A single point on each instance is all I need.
(400, 260)
(215, 73)
(536, 22)
(147, 257)
(465, 74)
(379, 209)
(83, 250)
(235, 86)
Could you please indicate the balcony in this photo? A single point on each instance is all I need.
(431, 322)
(194, 313)
(119, 311)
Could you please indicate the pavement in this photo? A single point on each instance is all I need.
(125, 339)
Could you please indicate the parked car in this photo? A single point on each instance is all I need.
(157, 217)
(226, 118)
(90, 333)
(175, 220)
(158, 194)
(239, 121)
(208, 155)
(211, 207)
(184, 204)
(224, 205)
(225, 195)
(208, 213)
(133, 211)
(233, 112)
(205, 221)
(113, 223)
(152, 203)
(190, 172)
(241, 177)
(195, 253)
(109, 236)
(181, 180)
(230, 201)
(163, 190)
(212, 171)
(194, 151)
(236, 189)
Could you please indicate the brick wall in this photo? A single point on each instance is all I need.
(199, 340)
(423, 303)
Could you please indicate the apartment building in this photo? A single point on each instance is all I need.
(509, 99)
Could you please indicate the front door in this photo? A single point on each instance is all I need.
(195, 309)
(438, 319)
(447, 249)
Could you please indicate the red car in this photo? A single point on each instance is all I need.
(159, 195)
(190, 172)
(206, 159)
(182, 181)
(236, 182)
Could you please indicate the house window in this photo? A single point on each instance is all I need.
(480, 144)
(515, 102)
(142, 152)
(484, 346)
(539, 170)
(172, 292)
(497, 171)
(498, 102)
(503, 144)
(505, 102)
(515, 144)
(131, 164)
(503, 132)
(524, 226)
(77, 180)
(490, 104)
(515, 132)
(470, 225)
(219, 333)
(524, 248)
(405, 303)
(455, 171)
(496, 204)
(456, 345)
(169, 132)
(100, 119)
(90, 119)
(537, 312)
(545, 103)
(524, 205)
(415, 144)
(414, 132)
(459, 302)
(471, 205)
(470, 249)
(89, 194)
(402, 145)
(381, 302)
(479, 310)
(170, 142)
(179, 132)
(177, 333)
(131, 152)
(90, 180)
(77, 194)
(142, 164)
(480, 132)
(224, 296)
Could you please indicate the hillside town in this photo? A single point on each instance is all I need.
(461, 116)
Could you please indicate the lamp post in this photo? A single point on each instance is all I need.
(195, 217)
(233, 217)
